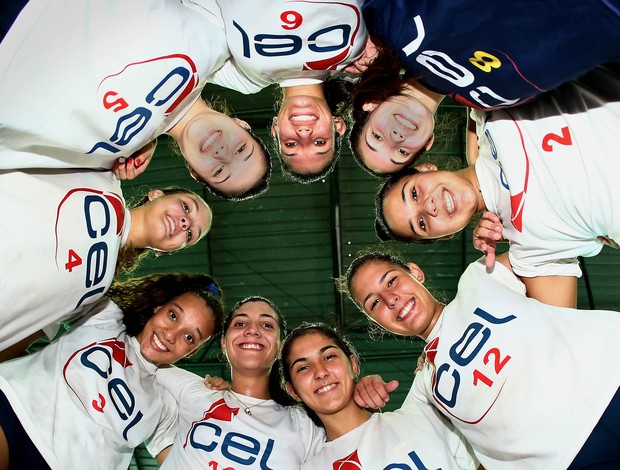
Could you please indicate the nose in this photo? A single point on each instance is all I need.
(303, 130)
(392, 300)
(320, 372)
(185, 223)
(168, 335)
(251, 330)
(222, 153)
(397, 135)
(430, 206)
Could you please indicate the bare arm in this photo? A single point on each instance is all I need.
(471, 140)
(560, 291)
(19, 349)
(162, 455)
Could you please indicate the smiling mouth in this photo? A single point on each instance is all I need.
(159, 344)
(252, 346)
(172, 225)
(406, 310)
(449, 202)
(406, 122)
(325, 389)
(208, 140)
(303, 118)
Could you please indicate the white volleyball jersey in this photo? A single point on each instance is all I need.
(61, 235)
(88, 399)
(524, 382)
(215, 432)
(416, 436)
(289, 42)
(83, 83)
(550, 171)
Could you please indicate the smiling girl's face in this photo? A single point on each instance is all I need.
(395, 132)
(176, 329)
(321, 374)
(221, 151)
(393, 298)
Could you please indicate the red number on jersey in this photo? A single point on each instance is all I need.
(564, 139)
(74, 260)
(291, 20)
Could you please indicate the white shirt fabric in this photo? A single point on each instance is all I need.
(88, 399)
(416, 436)
(524, 382)
(85, 82)
(215, 432)
(61, 238)
(289, 42)
(549, 170)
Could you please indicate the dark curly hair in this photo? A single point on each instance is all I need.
(139, 297)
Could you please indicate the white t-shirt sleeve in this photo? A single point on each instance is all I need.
(175, 380)
(310, 434)
(167, 428)
(229, 76)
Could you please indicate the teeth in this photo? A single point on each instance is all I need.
(258, 347)
(159, 344)
(449, 201)
(327, 388)
(209, 141)
(405, 310)
(173, 226)
(405, 122)
(303, 117)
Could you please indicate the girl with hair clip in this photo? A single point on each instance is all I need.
(295, 45)
(485, 56)
(103, 105)
(70, 235)
(251, 425)
(499, 364)
(546, 171)
(92, 394)
(320, 368)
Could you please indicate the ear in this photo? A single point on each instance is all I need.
(291, 391)
(369, 107)
(242, 123)
(426, 167)
(340, 125)
(274, 125)
(154, 194)
(415, 270)
(429, 144)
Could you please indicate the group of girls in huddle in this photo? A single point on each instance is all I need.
(115, 75)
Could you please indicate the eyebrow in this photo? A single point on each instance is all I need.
(380, 282)
(325, 152)
(321, 351)
(374, 149)
(224, 180)
(402, 194)
(251, 153)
